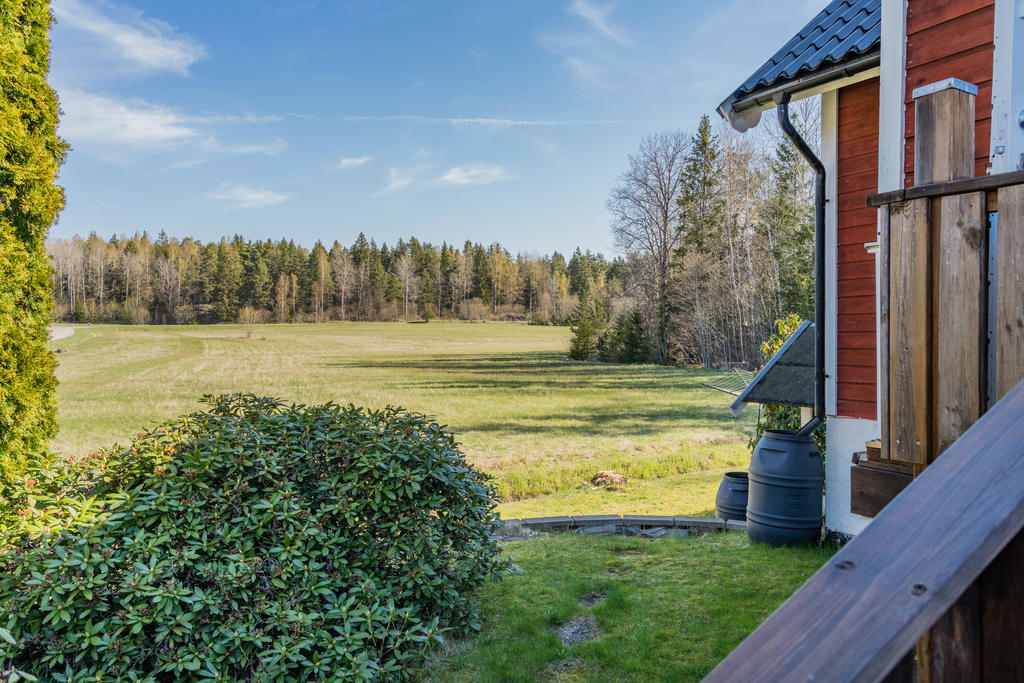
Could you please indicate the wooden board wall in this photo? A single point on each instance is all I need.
(856, 224)
(951, 39)
(1009, 330)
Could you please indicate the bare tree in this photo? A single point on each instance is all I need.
(168, 282)
(248, 317)
(281, 297)
(405, 270)
(343, 271)
(644, 208)
(464, 275)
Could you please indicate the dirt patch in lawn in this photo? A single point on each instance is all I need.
(568, 669)
(577, 630)
(593, 599)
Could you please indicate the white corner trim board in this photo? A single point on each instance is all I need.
(1007, 138)
(891, 112)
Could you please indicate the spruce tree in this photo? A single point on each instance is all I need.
(30, 154)
(701, 208)
(587, 325)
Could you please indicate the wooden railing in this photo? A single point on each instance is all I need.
(945, 558)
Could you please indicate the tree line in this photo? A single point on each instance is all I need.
(717, 230)
(168, 280)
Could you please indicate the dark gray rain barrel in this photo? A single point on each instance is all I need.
(786, 482)
(731, 501)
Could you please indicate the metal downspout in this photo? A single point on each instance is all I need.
(819, 262)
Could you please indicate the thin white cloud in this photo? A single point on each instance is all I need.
(149, 44)
(584, 69)
(237, 118)
(245, 197)
(473, 174)
(587, 52)
(484, 122)
(397, 180)
(598, 18)
(131, 123)
(353, 162)
(120, 130)
(211, 149)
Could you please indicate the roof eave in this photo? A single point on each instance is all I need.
(744, 112)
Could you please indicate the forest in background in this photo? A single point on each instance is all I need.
(168, 280)
(715, 230)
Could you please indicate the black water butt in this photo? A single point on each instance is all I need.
(731, 501)
(786, 483)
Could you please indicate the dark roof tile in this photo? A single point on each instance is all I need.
(844, 29)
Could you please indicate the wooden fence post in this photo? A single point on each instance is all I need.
(910, 336)
(944, 151)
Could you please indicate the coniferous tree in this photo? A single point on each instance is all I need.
(587, 325)
(29, 203)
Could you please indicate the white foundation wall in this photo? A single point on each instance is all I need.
(844, 436)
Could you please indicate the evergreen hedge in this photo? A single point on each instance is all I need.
(30, 154)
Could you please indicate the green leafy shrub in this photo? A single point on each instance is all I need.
(253, 541)
(773, 416)
(30, 153)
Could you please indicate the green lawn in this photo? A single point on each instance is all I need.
(536, 421)
(674, 607)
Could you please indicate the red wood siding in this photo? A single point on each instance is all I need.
(856, 224)
(951, 39)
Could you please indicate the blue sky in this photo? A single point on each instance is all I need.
(495, 121)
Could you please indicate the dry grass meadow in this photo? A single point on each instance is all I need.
(538, 422)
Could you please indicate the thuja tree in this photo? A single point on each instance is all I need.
(30, 153)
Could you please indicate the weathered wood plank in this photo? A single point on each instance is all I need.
(1002, 614)
(943, 136)
(859, 615)
(986, 183)
(1010, 290)
(960, 317)
(886, 465)
(909, 323)
(871, 489)
(953, 647)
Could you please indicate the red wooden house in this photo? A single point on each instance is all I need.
(868, 60)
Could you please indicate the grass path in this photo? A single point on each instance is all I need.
(536, 421)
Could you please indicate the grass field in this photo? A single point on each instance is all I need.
(538, 422)
(672, 609)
